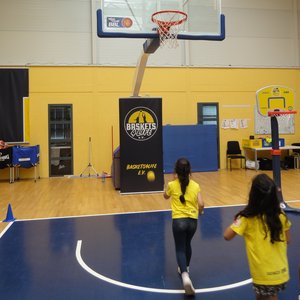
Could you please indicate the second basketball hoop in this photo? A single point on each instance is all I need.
(169, 23)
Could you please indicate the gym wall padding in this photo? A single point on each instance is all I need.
(197, 143)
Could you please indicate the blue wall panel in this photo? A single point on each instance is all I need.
(198, 143)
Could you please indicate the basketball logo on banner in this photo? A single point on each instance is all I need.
(141, 123)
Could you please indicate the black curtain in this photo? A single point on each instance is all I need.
(13, 88)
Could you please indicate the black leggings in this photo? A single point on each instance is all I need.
(183, 232)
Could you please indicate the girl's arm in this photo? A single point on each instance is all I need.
(229, 234)
(166, 196)
(200, 203)
(288, 236)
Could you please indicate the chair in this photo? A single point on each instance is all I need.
(6, 162)
(296, 150)
(26, 157)
(296, 154)
(234, 152)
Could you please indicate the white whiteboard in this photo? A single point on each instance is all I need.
(286, 125)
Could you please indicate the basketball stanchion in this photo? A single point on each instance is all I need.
(161, 24)
(276, 153)
(276, 102)
(169, 23)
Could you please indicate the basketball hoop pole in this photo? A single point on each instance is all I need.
(276, 155)
(139, 74)
(276, 164)
(149, 47)
(168, 24)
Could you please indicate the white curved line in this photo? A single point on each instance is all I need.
(147, 289)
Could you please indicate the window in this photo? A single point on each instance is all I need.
(208, 114)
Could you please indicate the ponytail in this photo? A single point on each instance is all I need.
(183, 171)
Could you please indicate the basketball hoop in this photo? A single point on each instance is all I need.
(282, 114)
(169, 24)
(279, 113)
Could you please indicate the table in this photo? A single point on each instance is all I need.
(256, 150)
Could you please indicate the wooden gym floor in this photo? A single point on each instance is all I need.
(59, 197)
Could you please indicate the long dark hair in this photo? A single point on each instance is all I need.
(183, 171)
(264, 203)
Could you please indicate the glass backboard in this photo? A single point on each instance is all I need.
(132, 18)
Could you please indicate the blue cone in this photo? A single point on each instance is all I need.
(9, 215)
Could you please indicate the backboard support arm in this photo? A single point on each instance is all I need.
(149, 47)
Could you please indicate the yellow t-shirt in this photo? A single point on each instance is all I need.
(268, 262)
(190, 208)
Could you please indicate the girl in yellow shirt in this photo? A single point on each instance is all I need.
(266, 231)
(186, 203)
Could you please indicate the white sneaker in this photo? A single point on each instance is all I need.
(187, 284)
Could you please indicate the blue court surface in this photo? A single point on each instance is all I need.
(127, 256)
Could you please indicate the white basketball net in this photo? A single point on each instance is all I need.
(284, 116)
(169, 24)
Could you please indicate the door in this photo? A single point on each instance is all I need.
(60, 140)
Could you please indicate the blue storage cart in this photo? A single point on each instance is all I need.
(26, 157)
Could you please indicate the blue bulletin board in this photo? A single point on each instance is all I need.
(197, 143)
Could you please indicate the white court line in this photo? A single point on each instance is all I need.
(147, 289)
(124, 213)
(96, 215)
(292, 201)
(134, 212)
(5, 229)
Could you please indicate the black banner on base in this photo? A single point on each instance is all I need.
(141, 147)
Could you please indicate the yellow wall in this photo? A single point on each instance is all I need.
(94, 93)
